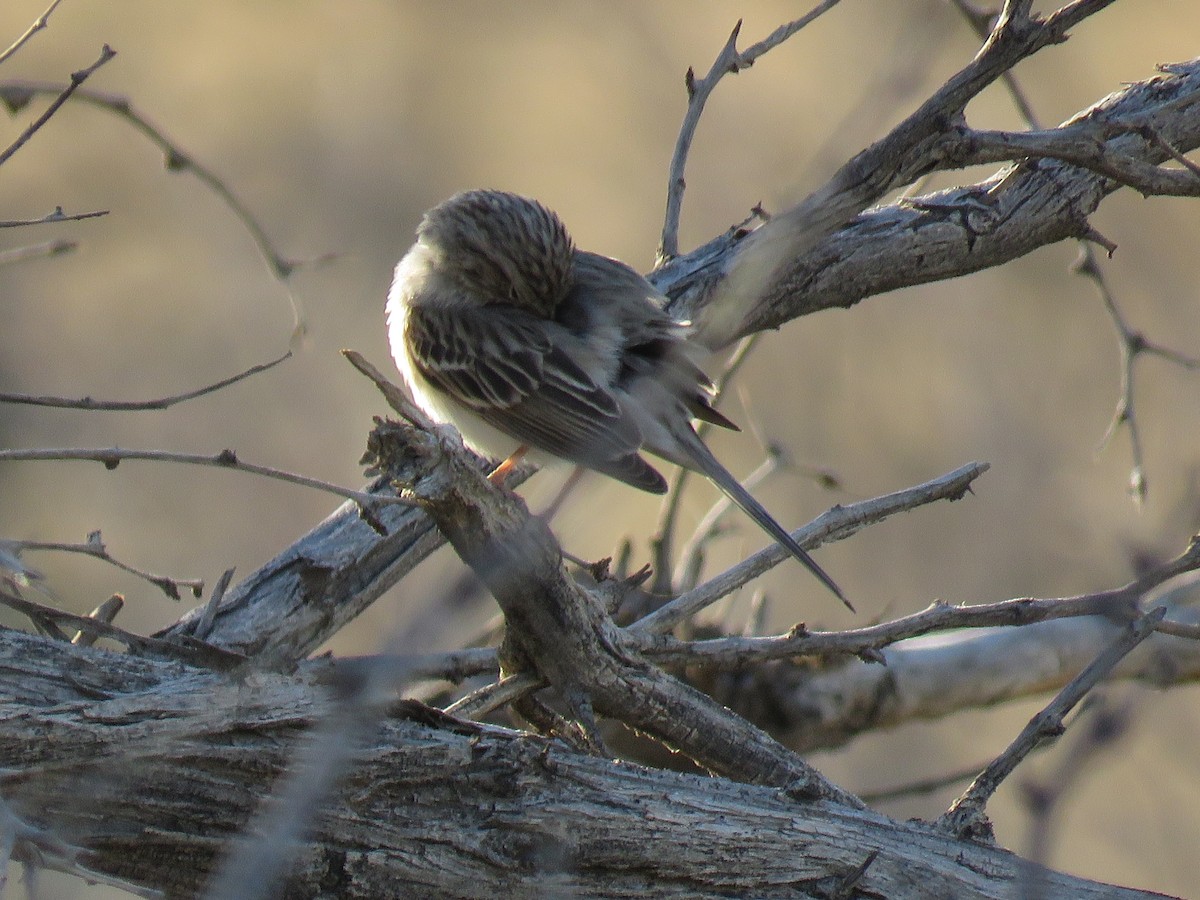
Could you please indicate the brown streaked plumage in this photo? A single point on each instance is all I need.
(503, 328)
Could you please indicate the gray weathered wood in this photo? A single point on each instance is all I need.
(175, 761)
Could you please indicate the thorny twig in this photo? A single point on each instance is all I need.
(88, 403)
(111, 457)
(38, 24)
(866, 641)
(1103, 724)
(834, 524)
(18, 94)
(729, 60)
(39, 847)
(1132, 343)
(56, 216)
(64, 94)
(965, 817)
(187, 649)
(94, 547)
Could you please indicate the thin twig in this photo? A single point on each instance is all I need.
(1128, 341)
(488, 699)
(965, 817)
(204, 626)
(395, 397)
(1132, 343)
(1103, 724)
(38, 24)
(739, 651)
(18, 93)
(1186, 630)
(56, 216)
(729, 60)
(89, 403)
(868, 640)
(1172, 151)
(835, 524)
(981, 23)
(758, 282)
(1083, 143)
(187, 649)
(111, 457)
(77, 78)
(94, 547)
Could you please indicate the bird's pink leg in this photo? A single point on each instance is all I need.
(500, 473)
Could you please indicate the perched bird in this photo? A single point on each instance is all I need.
(528, 345)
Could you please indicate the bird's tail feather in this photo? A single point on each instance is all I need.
(710, 466)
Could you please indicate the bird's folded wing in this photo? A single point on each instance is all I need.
(512, 370)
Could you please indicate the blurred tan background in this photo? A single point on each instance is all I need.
(338, 124)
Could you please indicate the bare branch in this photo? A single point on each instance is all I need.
(497, 695)
(981, 23)
(738, 287)
(395, 397)
(916, 241)
(865, 642)
(64, 94)
(1103, 724)
(959, 663)
(728, 61)
(112, 457)
(1188, 630)
(921, 787)
(16, 94)
(1090, 144)
(550, 822)
(94, 547)
(565, 633)
(1132, 343)
(193, 651)
(738, 652)
(38, 24)
(558, 635)
(835, 524)
(57, 216)
(966, 816)
(1120, 602)
(138, 405)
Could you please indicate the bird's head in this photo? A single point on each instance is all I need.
(500, 248)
